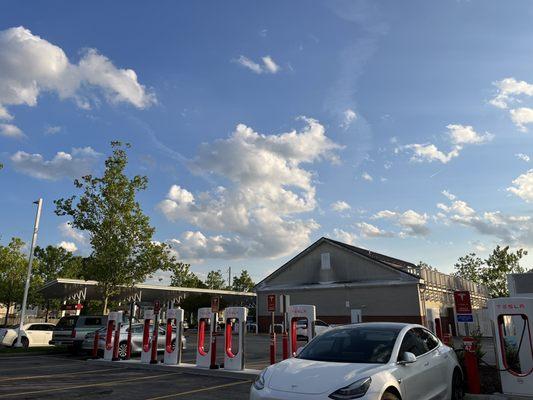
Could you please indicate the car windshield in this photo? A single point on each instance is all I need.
(358, 344)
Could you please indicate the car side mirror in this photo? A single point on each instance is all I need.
(298, 351)
(407, 358)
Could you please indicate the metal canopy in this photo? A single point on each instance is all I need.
(80, 290)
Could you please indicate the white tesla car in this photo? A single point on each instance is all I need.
(368, 361)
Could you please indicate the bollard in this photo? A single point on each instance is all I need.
(272, 347)
(471, 366)
(285, 343)
(153, 359)
(128, 346)
(95, 344)
(214, 351)
(115, 343)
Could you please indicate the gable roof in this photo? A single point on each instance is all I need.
(390, 262)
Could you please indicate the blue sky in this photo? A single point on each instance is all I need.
(397, 126)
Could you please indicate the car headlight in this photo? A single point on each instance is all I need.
(259, 383)
(353, 391)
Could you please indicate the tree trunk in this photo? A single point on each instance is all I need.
(8, 304)
(104, 311)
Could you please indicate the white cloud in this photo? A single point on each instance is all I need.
(269, 65)
(266, 187)
(411, 222)
(516, 230)
(30, 65)
(449, 196)
(459, 136)
(11, 131)
(69, 232)
(369, 230)
(68, 246)
(465, 134)
(522, 117)
(344, 236)
(523, 157)
(523, 186)
(73, 165)
(508, 89)
(367, 177)
(52, 130)
(349, 116)
(430, 153)
(340, 206)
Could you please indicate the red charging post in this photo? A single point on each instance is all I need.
(155, 334)
(95, 344)
(471, 365)
(271, 304)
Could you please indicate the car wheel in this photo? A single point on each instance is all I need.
(122, 350)
(389, 396)
(457, 386)
(25, 342)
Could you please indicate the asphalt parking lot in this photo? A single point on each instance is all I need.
(65, 377)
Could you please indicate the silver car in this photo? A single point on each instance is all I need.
(136, 339)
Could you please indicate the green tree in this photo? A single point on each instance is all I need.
(215, 280)
(56, 262)
(123, 252)
(491, 272)
(469, 267)
(13, 265)
(243, 283)
(500, 263)
(183, 276)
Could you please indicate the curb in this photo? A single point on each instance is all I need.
(246, 374)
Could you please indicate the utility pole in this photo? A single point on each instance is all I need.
(28, 277)
(229, 277)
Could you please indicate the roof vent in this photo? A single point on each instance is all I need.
(325, 262)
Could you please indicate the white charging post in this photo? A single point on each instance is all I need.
(173, 353)
(235, 320)
(296, 313)
(513, 329)
(114, 320)
(203, 348)
(146, 349)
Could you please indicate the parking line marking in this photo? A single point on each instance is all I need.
(199, 390)
(23, 378)
(108, 383)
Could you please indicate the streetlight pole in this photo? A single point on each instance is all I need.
(28, 277)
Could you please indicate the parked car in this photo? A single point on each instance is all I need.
(33, 334)
(136, 339)
(70, 331)
(367, 361)
(301, 328)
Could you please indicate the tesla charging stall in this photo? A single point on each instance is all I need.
(113, 331)
(297, 313)
(206, 323)
(174, 319)
(235, 320)
(146, 350)
(513, 319)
